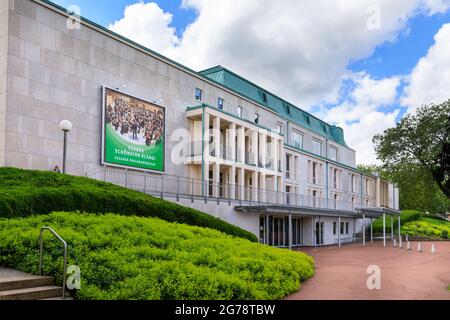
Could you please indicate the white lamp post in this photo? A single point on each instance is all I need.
(65, 126)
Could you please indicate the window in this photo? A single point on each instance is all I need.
(220, 103)
(342, 228)
(198, 94)
(314, 173)
(256, 118)
(334, 228)
(239, 111)
(317, 147)
(279, 127)
(297, 139)
(346, 227)
(335, 178)
(332, 154)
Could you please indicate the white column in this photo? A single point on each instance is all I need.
(232, 145)
(232, 182)
(241, 182)
(206, 154)
(241, 144)
(263, 148)
(254, 152)
(384, 230)
(274, 144)
(363, 230)
(378, 192)
(392, 227)
(371, 230)
(216, 179)
(262, 183)
(217, 136)
(290, 231)
(320, 232)
(399, 233)
(255, 185)
(339, 232)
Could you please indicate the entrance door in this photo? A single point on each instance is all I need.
(319, 232)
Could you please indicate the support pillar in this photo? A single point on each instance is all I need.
(241, 183)
(392, 227)
(241, 145)
(206, 155)
(363, 230)
(290, 231)
(399, 233)
(384, 230)
(217, 136)
(371, 230)
(339, 232)
(320, 232)
(232, 145)
(255, 186)
(216, 180)
(262, 191)
(232, 182)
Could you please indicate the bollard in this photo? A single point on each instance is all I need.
(433, 249)
(400, 245)
(407, 239)
(419, 247)
(395, 242)
(408, 246)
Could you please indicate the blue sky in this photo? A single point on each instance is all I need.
(316, 60)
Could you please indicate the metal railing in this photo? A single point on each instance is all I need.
(41, 242)
(171, 186)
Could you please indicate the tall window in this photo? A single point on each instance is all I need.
(198, 94)
(297, 139)
(332, 154)
(335, 178)
(342, 227)
(279, 127)
(317, 147)
(334, 228)
(314, 173)
(346, 227)
(220, 103)
(239, 111)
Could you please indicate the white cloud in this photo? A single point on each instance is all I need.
(300, 50)
(359, 134)
(360, 115)
(430, 80)
(147, 24)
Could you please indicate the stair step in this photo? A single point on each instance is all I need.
(35, 293)
(23, 282)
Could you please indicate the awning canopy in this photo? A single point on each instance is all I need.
(323, 212)
(377, 212)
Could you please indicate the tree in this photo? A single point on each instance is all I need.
(420, 142)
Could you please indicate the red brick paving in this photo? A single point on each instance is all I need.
(341, 273)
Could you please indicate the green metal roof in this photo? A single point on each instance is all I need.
(265, 98)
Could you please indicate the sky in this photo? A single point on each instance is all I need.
(359, 64)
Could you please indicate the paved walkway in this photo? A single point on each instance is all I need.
(341, 273)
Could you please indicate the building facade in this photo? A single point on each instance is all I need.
(231, 148)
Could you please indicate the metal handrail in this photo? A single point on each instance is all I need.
(41, 241)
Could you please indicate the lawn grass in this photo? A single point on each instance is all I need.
(25, 192)
(122, 257)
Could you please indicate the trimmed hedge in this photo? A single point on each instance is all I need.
(24, 192)
(146, 258)
(405, 217)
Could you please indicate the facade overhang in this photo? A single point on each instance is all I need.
(377, 212)
(298, 211)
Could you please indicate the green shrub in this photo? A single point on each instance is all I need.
(444, 234)
(23, 193)
(146, 258)
(405, 217)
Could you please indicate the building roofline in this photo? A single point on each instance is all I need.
(219, 67)
(63, 11)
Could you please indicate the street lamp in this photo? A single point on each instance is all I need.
(65, 126)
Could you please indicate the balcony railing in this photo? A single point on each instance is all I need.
(188, 188)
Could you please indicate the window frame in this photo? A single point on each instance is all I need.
(329, 153)
(219, 105)
(317, 142)
(200, 96)
(239, 111)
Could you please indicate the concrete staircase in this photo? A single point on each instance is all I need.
(16, 285)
